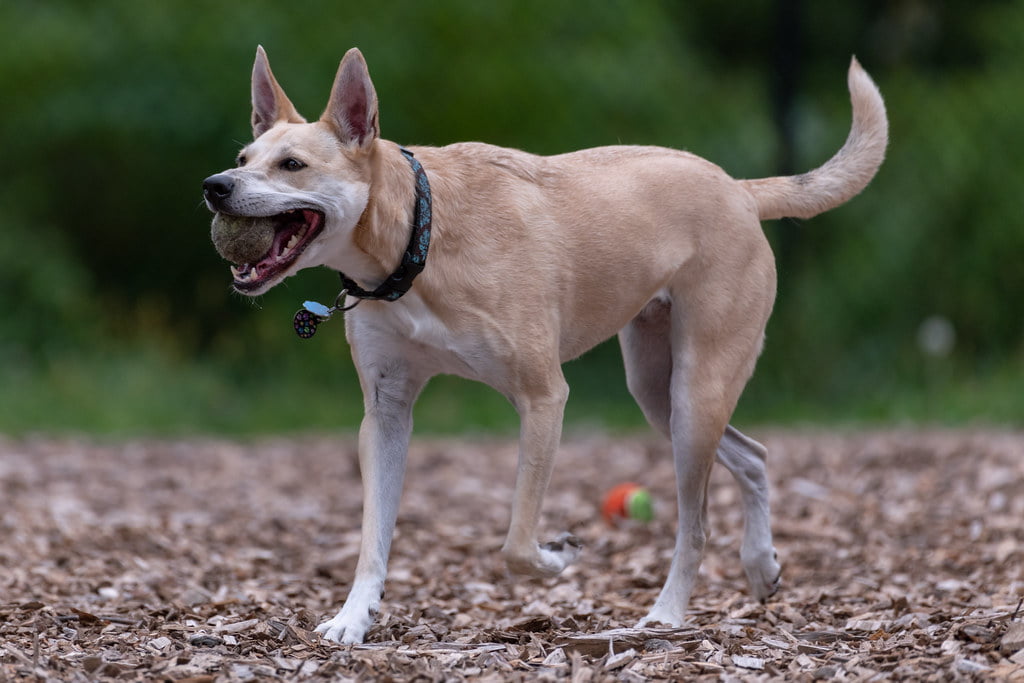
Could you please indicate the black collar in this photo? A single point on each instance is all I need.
(415, 256)
(398, 283)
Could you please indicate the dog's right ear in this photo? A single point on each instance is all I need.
(352, 107)
(269, 103)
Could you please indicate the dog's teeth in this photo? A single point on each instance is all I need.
(244, 273)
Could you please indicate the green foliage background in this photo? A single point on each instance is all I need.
(116, 315)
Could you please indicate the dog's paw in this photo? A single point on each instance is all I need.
(763, 573)
(347, 626)
(558, 554)
(660, 618)
(566, 546)
(548, 559)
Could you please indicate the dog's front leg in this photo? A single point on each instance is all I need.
(540, 432)
(389, 389)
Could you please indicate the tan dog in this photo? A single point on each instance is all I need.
(532, 261)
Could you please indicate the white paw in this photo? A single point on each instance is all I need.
(348, 626)
(548, 559)
(660, 617)
(763, 573)
(561, 552)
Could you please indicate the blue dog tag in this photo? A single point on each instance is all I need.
(317, 309)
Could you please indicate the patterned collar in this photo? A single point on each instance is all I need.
(415, 256)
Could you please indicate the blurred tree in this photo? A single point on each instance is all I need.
(115, 111)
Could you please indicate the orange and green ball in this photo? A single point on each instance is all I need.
(628, 501)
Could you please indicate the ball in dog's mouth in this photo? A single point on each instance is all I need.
(262, 247)
(242, 239)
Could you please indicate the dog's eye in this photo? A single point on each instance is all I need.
(240, 161)
(291, 164)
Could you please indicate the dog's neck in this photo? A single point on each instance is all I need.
(414, 256)
(382, 232)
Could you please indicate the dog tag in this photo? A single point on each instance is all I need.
(317, 309)
(305, 323)
(313, 313)
(309, 316)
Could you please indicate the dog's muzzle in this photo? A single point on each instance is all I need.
(261, 247)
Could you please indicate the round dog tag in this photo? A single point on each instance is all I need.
(305, 323)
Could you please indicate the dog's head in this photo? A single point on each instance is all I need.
(298, 188)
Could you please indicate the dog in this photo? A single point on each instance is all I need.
(528, 262)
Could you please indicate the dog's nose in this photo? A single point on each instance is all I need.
(218, 186)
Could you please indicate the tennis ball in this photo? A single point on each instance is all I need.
(242, 239)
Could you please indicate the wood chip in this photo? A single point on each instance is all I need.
(748, 662)
(1013, 640)
(616, 661)
(237, 627)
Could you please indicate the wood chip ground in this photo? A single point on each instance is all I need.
(209, 560)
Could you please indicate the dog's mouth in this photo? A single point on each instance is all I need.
(294, 230)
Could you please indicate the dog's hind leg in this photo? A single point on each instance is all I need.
(541, 407)
(745, 459)
(716, 321)
(390, 388)
(647, 354)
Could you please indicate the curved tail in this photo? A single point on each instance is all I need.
(843, 176)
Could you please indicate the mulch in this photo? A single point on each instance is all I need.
(213, 560)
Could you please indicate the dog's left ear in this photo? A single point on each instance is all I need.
(352, 109)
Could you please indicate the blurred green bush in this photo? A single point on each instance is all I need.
(117, 314)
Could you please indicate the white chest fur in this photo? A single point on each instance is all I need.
(410, 328)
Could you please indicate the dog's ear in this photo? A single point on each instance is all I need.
(269, 103)
(352, 109)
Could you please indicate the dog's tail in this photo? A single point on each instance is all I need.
(843, 176)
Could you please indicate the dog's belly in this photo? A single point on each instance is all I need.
(579, 338)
